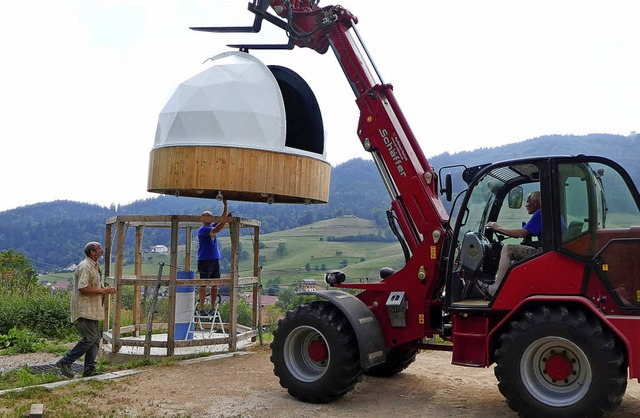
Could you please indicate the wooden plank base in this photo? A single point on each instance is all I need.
(239, 174)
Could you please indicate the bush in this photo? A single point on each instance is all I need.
(20, 341)
(45, 314)
(244, 312)
(127, 295)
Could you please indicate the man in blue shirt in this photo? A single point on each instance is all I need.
(209, 255)
(517, 252)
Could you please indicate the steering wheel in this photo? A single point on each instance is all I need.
(490, 233)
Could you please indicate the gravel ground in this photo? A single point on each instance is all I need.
(8, 363)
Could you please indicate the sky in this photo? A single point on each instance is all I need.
(83, 81)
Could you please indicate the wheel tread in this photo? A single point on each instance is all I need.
(590, 332)
(344, 370)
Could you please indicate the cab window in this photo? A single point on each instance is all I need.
(593, 198)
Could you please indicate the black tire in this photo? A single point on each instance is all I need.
(398, 359)
(315, 353)
(559, 363)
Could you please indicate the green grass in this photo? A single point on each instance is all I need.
(23, 377)
(73, 401)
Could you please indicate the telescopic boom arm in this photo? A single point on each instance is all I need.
(382, 128)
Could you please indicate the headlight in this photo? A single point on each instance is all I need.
(332, 277)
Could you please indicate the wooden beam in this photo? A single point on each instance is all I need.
(234, 232)
(119, 261)
(138, 272)
(173, 268)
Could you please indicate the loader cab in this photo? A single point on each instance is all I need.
(589, 205)
(495, 193)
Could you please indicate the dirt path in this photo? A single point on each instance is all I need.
(244, 386)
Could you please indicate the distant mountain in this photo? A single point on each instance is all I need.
(622, 149)
(52, 234)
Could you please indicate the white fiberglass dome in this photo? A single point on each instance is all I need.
(240, 102)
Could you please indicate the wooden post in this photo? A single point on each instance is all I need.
(116, 345)
(256, 319)
(106, 324)
(234, 232)
(187, 249)
(107, 249)
(152, 309)
(173, 260)
(138, 273)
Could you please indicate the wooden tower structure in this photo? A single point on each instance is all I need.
(116, 230)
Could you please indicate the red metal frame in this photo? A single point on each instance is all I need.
(383, 129)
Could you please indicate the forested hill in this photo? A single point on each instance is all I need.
(622, 149)
(52, 234)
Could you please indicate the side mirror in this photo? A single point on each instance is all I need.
(447, 190)
(515, 197)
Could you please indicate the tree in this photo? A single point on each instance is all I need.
(17, 275)
(380, 216)
(282, 249)
(288, 300)
(273, 286)
(244, 255)
(245, 315)
(275, 282)
(271, 316)
(285, 297)
(307, 217)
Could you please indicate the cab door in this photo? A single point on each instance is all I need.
(600, 203)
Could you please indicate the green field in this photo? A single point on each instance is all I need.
(308, 244)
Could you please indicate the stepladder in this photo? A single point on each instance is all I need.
(207, 322)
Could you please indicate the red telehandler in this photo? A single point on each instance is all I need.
(563, 327)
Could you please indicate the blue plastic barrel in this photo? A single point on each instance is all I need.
(185, 299)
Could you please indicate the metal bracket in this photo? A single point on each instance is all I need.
(258, 8)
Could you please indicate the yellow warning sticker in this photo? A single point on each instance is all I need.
(605, 267)
(421, 316)
(433, 252)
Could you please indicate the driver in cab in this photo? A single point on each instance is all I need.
(516, 252)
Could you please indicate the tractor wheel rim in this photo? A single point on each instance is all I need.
(306, 354)
(555, 371)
